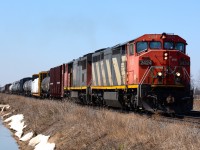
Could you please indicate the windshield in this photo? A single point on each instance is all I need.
(180, 47)
(168, 45)
(155, 45)
(141, 46)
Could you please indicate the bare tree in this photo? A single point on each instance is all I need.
(192, 82)
(196, 84)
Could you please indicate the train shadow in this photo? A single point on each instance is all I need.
(193, 113)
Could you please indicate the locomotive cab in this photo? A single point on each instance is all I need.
(159, 65)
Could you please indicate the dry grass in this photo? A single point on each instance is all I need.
(197, 105)
(74, 127)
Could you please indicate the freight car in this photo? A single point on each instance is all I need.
(45, 87)
(17, 86)
(56, 82)
(7, 86)
(36, 89)
(2, 89)
(27, 87)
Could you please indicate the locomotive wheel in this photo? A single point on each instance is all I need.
(134, 103)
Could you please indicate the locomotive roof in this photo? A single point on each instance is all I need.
(102, 49)
(152, 36)
(167, 36)
(26, 78)
(87, 54)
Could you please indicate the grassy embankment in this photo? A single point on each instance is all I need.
(75, 127)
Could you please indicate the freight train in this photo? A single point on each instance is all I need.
(151, 72)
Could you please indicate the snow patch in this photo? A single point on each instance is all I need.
(45, 146)
(39, 138)
(18, 117)
(17, 124)
(27, 137)
(41, 143)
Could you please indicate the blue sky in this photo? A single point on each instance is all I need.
(36, 35)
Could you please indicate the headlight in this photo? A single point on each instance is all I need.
(178, 74)
(165, 55)
(159, 74)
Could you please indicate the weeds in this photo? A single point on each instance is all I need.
(76, 127)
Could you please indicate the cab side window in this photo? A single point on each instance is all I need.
(168, 45)
(180, 46)
(155, 45)
(131, 49)
(141, 46)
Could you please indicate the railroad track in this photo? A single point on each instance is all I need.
(192, 118)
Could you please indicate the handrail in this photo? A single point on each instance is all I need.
(145, 74)
(187, 74)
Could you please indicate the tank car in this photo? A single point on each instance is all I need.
(2, 89)
(10, 88)
(45, 87)
(21, 84)
(27, 87)
(36, 89)
(7, 86)
(15, 87)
